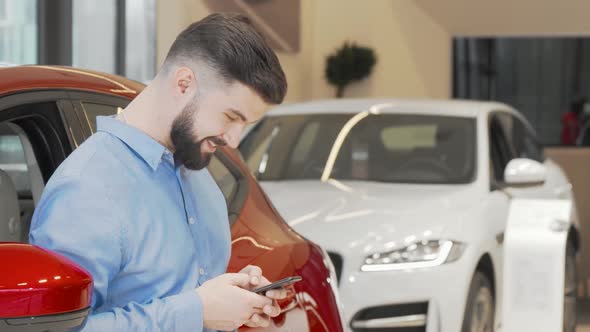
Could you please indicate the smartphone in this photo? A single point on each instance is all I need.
(278, 284)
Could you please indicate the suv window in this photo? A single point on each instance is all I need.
(396, 148)
(525, 142)
(92, 110)
(500, 152)
(584, 139)
(12, 161)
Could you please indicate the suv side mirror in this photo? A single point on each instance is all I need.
(41, 290)
(523, 171)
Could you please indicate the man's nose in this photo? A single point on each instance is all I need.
(232, 138)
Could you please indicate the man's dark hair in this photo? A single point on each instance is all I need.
(231, 45)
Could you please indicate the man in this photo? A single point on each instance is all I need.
(134, 206)
(570, 122)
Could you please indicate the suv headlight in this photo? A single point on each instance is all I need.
(415, 256)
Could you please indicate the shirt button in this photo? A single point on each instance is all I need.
(191, 221)
(201, 271)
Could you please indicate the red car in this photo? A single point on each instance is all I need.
(45, 113)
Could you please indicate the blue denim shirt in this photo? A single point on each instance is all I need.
(147, 231)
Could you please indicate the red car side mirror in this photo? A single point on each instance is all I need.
(41, 290)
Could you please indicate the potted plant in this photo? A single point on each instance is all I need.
(350, 63)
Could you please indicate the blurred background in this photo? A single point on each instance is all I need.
(531, 54)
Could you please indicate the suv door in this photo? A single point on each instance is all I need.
(525, 145)
(37, 133)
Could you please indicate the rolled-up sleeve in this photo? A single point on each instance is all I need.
(80, 221)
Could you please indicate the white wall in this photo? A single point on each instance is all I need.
(510, 17)
(174, 16)
(414, 52)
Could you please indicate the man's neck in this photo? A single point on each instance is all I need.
(146, 115)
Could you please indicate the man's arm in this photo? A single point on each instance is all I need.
(180, 312)
(81, 222)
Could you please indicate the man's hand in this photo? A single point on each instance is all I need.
(261, 318)
(227, 304)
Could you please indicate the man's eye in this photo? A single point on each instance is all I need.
(230, 117)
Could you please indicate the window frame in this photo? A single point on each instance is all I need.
(528, 133)
(497, 180)
(280, 172)
(584, 136)
(78, 98)
(62, 140)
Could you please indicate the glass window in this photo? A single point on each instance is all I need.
(584, 139)
(94, 29)
(533, 148)
(408, 137)
(92, 110)
(3, 9)
(140, 32)
(13, 162)
(520, 137)
(387, 147)
(539, 76)
(525, 142)
(259, 156)
(500, 153)
(18, 32)
(96, 34)
(303, 146)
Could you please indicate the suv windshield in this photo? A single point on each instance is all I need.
(399, 148)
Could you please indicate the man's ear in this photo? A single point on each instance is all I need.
(185, 80)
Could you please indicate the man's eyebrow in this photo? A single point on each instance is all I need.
(241, 116)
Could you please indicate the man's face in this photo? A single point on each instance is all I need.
(214, 118)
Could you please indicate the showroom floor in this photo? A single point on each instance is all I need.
(584, 317)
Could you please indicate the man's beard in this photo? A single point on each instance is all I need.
(187, 150)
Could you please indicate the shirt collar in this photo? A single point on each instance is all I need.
(150, 150)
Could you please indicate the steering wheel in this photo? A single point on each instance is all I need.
(422, 163)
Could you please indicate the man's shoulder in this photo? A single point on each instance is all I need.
(97, 160)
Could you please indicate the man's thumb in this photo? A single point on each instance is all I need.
(239, 279)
